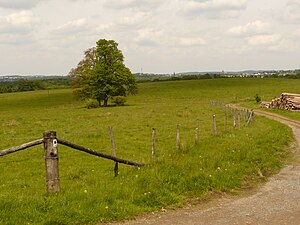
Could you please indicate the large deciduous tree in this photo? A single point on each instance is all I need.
(101, 74)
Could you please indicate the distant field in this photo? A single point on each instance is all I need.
(89, 191)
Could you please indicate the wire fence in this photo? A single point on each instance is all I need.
(146, 137)
(192, 130)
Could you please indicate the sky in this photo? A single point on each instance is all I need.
(49, 37)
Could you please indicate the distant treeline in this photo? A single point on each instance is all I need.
(56, 83)
(33, 85)
(293, 76)
(157, 78)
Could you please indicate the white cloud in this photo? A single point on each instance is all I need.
(132, 4)
(191, 41)
(296, 34)
(149, 37)
(158, 35)
(221, 4)
(293, 11)
(23, 21)
(71, 27)
(134, 19)
(264, 40)
(255, 27)
(19, 4)
(214, 8)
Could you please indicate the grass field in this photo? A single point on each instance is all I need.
(89, 191)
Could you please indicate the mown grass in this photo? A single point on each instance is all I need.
(89, 191)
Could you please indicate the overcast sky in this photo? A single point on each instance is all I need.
(162, 36)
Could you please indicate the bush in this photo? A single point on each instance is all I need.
(119, 100)
(92, 104)
(257, 98)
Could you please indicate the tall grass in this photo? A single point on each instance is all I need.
(90, 192)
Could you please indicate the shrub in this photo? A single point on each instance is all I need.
(119, 100)
(92, 103)
(257, 98)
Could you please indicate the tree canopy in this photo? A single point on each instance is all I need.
(101, 74)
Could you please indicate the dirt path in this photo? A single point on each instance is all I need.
(277, 202)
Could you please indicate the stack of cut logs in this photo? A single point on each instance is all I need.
(286, 101)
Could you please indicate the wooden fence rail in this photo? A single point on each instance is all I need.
(21, 147)
(50, 142)
(102, 155)
(51, 157)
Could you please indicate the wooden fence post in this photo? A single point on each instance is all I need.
(234, 119)
(178, 138)
(51, 161)
(239, 120)
(225, 121)
(214, 125)
(197, 132)
(245, 116)
(250, 118)
(114, 151)
(153, 143)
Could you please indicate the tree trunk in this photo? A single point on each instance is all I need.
(105, 100)
(99, 102)
(105, 103)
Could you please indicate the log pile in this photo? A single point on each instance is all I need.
(286, 101)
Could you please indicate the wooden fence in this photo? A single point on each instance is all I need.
(50, 142)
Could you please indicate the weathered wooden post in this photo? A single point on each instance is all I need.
(239, 120)
(153, 143)
(197, 132)
(114, 151)
(250, 118)
(51, 161)
(178, 138)
(234, 119)
(225, 121)
(253, 116)
(214, 125)
(245, 116)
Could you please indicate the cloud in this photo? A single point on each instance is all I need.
(264, 40)
(132, 4)
(214, 8)
(134, 19)
(19, 4)
(293, 11)
(149, 37)
(72, 27)
(251, 28)
(23, 21)
(191, 41)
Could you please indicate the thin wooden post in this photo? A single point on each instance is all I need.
(253, 115)
(153, 142)
(239, 120)
(114, 151)
(197, 132)
(247, 116)
(178, 138)
(214, 125)
(51, 161)
(234, 120)
(250, 118)
(225, 121)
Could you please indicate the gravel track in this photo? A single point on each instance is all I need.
(277, 202)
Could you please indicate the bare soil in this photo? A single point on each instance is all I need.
(277, 202)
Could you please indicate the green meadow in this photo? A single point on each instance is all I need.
(232, 160)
